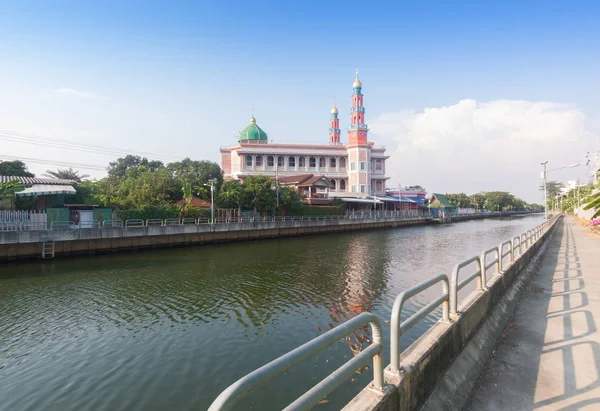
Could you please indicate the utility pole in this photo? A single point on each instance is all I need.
(212, 182)
(578, 198)
(545, 191)
(277, 182)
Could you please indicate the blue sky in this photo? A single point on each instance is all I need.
(181, 78)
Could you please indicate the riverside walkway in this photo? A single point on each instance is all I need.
(549, 355)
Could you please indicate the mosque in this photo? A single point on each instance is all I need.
(352, 169)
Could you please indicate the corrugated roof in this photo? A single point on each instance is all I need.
(36, 180)
(443, 201)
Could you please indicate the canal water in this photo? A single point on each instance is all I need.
(170, 329)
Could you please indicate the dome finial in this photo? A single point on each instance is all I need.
(334, 110)
(252, 119)
(357, 82)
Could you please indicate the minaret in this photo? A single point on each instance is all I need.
(359, 150)
(357, 131)
(334, 126)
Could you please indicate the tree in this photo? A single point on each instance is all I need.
(592, 201)
(552, 190)
(8, 189)
(498, 200)
(198, 174)
(14, 168)
(66, 174)
(460, 200)
(119, 167)
(259, 191)
(231, 195)
(289, 198)
(477, 200)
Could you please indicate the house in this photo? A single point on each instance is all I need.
(313, 189)
(438, 203)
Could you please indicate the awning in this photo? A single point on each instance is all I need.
(395, 200)
(360, 200)
(46, 189)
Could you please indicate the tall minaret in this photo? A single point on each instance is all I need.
(357, 132)
(334, 126)
(358, 148)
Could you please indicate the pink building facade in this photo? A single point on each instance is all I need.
(355, 169)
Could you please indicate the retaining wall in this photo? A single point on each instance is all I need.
(17, 245)
(440, 366)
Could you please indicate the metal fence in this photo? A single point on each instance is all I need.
(449, 300)
(63, 225)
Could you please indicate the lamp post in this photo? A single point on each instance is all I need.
(212, 182)
(544, 173)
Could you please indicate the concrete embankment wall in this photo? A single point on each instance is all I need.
(17, 245)
(441, 367)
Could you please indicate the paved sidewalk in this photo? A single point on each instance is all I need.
(549, 355)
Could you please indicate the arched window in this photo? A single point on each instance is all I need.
(248, 161)
(259, 161)
(270, 161)
(301, 162)
(332, 162)
(332, 182)
(280, 161)
(342, 185)
(321, 162)
(312, 162)
(292, 162)
(343, 162)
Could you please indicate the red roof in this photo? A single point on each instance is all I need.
(196, 202)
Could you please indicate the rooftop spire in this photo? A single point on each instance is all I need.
(357, 82)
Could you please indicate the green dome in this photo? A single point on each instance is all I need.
(253, 132)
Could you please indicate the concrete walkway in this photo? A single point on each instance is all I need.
(549, 355)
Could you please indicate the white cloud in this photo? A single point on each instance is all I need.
(472, 146)
(75, 93)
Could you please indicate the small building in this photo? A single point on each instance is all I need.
(313, 189)
(48, 192)
(438, 203)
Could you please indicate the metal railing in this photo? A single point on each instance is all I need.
(154, 221)
(136, 222)
(112, 223)
(516, 245)
(485, 266)
(398, 328)
(455, 286)
(448, 299)
(238, 390)
(505, 254)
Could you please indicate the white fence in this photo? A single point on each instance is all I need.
(11, 216)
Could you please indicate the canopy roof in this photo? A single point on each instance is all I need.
(36, 180)
(46, 189)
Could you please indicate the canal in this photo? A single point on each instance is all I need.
(170, 329)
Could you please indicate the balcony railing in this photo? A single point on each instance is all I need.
(359, 126)
(359, 109)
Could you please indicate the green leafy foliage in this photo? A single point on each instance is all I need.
(15, 168)
(8, 189)
(66, 174)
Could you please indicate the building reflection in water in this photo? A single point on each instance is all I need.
(365, 278)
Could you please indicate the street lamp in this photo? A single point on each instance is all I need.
(544, 173)
(212, 182)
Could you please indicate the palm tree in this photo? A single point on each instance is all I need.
(592, 201)
(66, 174)
(8, 189)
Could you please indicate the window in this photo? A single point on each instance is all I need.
(352, 166)
(362, 188)
(332, 162)
(322, 162)
(301, 162)
(343, 162)
(378, 165)
(332, 184)
(342, 185)
(280, 161)
(354, 189)
(248, 161)
(259, 161)
(270, 161)
(292, 162)
(312, 162)
(362, 165)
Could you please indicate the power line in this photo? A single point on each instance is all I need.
(55, 163)
(73, 145)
